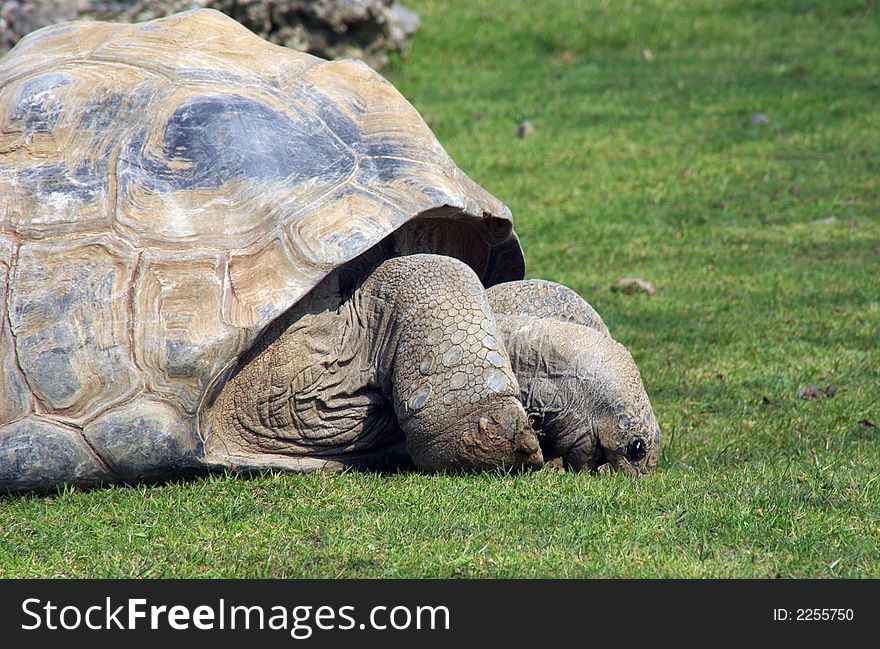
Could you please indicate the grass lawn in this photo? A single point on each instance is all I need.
(728, 152)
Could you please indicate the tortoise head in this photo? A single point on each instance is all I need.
(615, 424)
(628, 436)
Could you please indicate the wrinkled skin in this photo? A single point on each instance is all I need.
(410, 359)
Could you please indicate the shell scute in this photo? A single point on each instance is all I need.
(143, 438)
(210, 139)
(40, 454)
(69, 314)
(340, 228)
(262, 283)
(181, 341)
(37, 105)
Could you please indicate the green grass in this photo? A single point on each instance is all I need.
(637, 167)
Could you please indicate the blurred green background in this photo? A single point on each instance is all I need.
(729, 153)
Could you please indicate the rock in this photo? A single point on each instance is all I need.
(525, 129)
(567, 58)
(631, 285)
(363, 29)
(759, 119)
(814, 390)
(808, 393)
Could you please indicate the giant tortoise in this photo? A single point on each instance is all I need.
(220, 254)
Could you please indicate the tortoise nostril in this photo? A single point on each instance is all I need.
(637, 450)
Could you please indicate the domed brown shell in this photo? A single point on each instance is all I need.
(169, 188)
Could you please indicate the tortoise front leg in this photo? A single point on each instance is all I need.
(452, 387)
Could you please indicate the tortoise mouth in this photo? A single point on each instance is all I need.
(593, 461)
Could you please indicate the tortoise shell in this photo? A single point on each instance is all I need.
(167, 189)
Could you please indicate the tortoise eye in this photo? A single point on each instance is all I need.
(636, 450)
